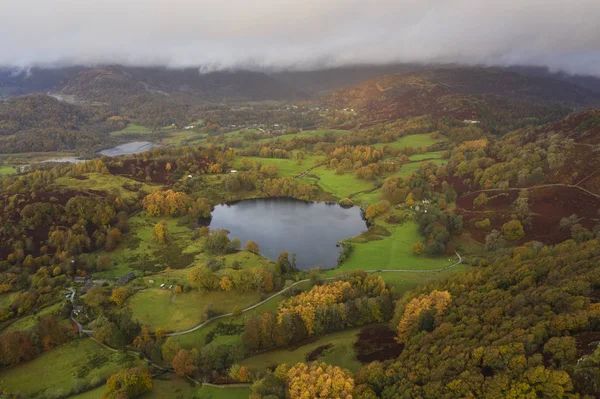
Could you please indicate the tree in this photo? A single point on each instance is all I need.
(319, 381)
(113, 238)
(494, 240)
(119, 295)
(418, 248)
(95, 297)
(252, 246)
(235, 244)
(217, 242)
(160, 232)
(562, 349)
(226, 284)
(481, 200)
(513, 230)
(128, 384)
(160, 333)
(410, 321)
(183, 363)
(170, 349)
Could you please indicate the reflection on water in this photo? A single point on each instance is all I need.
(310, 230)
(135, 147)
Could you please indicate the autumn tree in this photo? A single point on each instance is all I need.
(119, 295)
(184, 363)
(252, 246)
(113, 238)
(130, 383)
(160, 232)
(418, 248)
(319, 380)
(419, 313)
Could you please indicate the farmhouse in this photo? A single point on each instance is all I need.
(126, 278)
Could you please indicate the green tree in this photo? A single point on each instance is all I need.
(513, 230)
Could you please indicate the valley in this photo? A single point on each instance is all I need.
(220, 240)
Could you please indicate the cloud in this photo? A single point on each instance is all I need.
(301, 34)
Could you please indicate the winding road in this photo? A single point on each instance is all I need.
(249, 308)
(204, 323)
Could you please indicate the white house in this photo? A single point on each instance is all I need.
(233, 171)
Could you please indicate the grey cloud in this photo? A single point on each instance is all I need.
(301, 34)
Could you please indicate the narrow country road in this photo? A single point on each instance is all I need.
(204, 323)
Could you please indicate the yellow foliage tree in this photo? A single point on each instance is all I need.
(118, 296)
(160, 233)
(319, 380)
(436, 300)
(226, 284)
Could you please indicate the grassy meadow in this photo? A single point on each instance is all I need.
(175, 312)
(341, 354)
(62, 369)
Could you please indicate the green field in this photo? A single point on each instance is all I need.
(404, 282)
(408, 168)
(7, 170)
(132, 129)
(413, 140)
(27, 322)
(340, 186)
(341, 354)
(287, 167)
(64, 368)
(197, 338)
(392, 252)
(177, 388)
(175, 312)
(105, 182)
(182, 137)
(139, 250)
(427, 155)
(312, 133)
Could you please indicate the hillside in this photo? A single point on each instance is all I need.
(494, 96)
(115, 84)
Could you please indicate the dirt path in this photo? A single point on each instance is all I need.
(199, 326)
(225, 386)
(489, 190)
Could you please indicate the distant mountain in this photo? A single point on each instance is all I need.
(113, 83)
(14, 81)
(321, 82)
(588, 82)
(488, 94)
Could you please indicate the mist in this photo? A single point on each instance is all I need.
(301, 34)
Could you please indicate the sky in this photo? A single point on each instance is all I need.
(301, 34)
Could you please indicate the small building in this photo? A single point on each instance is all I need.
(233, 171)
(150, 281)
(79, 280)
(89, 284)
(126, 278)
(162, 285)
(77, 309)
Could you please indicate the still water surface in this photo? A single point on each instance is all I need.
(310, 230)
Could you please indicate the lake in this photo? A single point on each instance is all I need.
(135, 147)
(310, 230)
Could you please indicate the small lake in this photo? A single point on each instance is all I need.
(310, 230)
(135, 147)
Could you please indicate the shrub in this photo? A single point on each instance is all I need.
(483, 224)
(513, 230)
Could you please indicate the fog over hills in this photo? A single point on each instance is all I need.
(301, 35)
